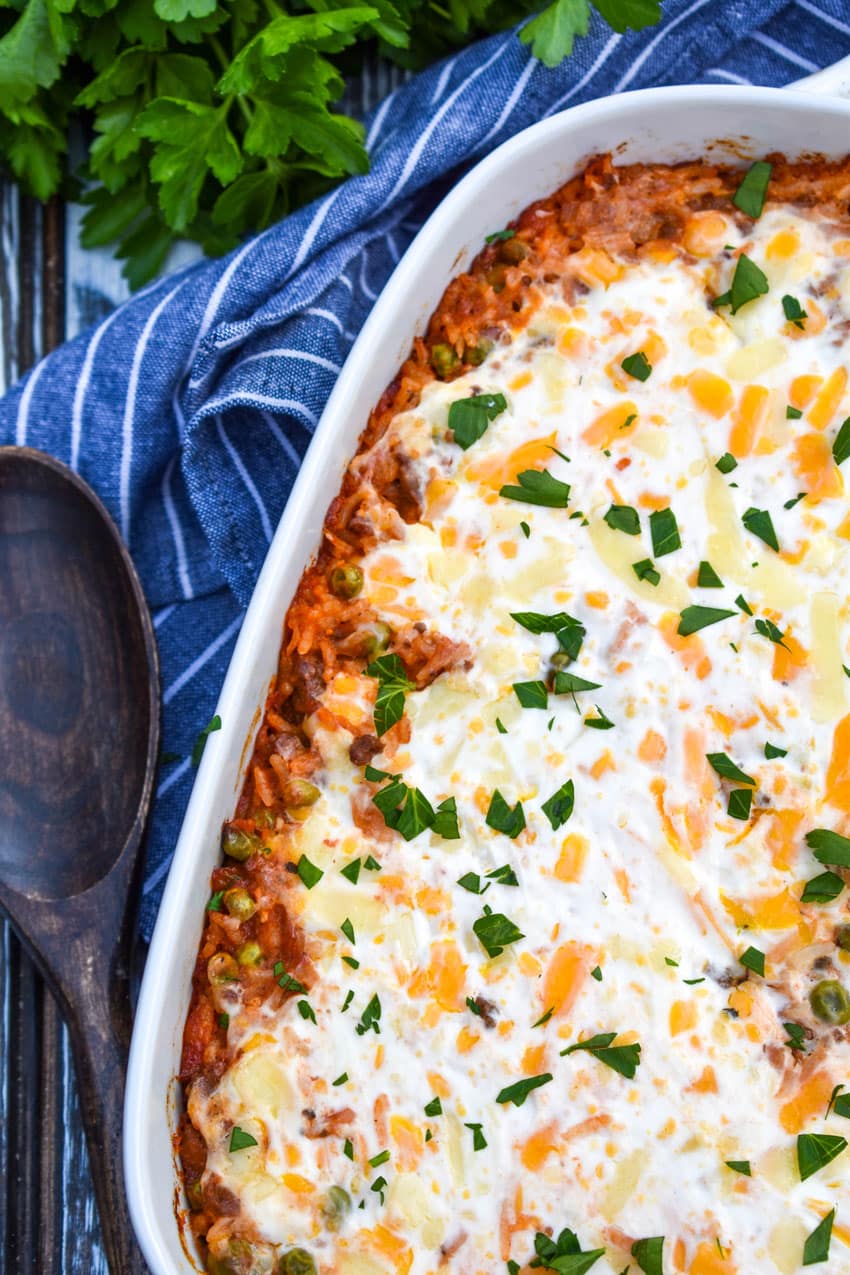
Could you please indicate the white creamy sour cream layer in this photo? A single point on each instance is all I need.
(650, 883)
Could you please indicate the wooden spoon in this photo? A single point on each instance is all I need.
(79, 732)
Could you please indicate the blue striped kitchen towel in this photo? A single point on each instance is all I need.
(189, 408)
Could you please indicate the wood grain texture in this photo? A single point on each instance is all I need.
(51, 290)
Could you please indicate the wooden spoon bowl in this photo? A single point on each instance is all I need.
(79, 732)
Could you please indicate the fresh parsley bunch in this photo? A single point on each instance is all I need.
(208, 119)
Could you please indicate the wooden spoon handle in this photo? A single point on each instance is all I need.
(100, 1059)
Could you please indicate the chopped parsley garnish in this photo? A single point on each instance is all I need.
(201, 742)
(707, 577)
(503, 730)
(471, 881)
(340, 1080)
(767, 629)
(434, 1107)
(752, 192)
(348, 1149)
(743, 605)
(623, 518)
(649, 1255)
(760, 523)
(286, 981)
(816, 1247)
(829, 847)
(841, 443)
(224, 1021)
(664, 531)
(544, 1018)
(538, 487)
(379, 1159)
(816, 1150)
(308, 872)
(370, 863)
(214, 902)
(495, 932)
(305, 1009)
(567, 683)
(469, 417)
(823, 888)
(473, 1007)
(748, 283)
(479, 1142)
(601, 722)
(773, 750)
(393, 685)
(596, 973)
(692, 619)
(348, 930)
(796, 1036)
(792, 413)
(378, 1187)
(564, 1255)
(239, 1139)
(560, 805)
(841, 1106)
(739, 1166)
(503, 876)
(647, 570)
(531, 694)
(726, 768)
(498, 235)
(739, 803)
(795, 500)
(351, 871)
(351, 962)
(409, 812)
(568, 630)
(668, 960)
(501, 817)
(518, 1092)
(726, 463)
(692, 982)
(794, 312)
(622, 1058)
(637, 365)
(753, 959)
(526, 530)
(370, 1018)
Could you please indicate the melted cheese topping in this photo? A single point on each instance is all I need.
(634, 913)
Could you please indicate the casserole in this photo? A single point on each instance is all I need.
(536, 162)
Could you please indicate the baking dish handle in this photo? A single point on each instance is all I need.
(832, 81)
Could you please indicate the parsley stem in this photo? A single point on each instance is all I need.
(218, 49)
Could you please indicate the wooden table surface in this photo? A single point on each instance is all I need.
(49, 292)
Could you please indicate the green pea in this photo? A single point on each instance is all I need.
(240, 1257)
(377, 640)
(334, 1207)
(497, 276)
(297, 1262)
(346, 580)
(221, 969)
(249, 954)
(513, 251)
(842, 937)
(238, 844)
(830, 1002)
(476, 354)
(299, 792)
(239, 903)
(444, 360)
(195, 1195)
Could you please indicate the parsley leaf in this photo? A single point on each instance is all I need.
(531, 694)
(664, 531)
(748, 283)
(214, 901)
(498, 236)
(519, 1091)
(816, 1247)
(707, 577)
(503, 876)
(726, 768)
(495, 932)
(567, 683)
(751, 193)
(239, 1140)
(816, 1150)
(565, 1254)
(538, 487)
(638, 366)
(201, 742)
(622, 1058)
(434, 1107)
(753, 959)
(739, 803)
(623, 518)
(601, 722)
(479, 1142)
(469, 417)
(841, 443)
(560, 805)
(829, 847)
(393, 685)
(739, 1166)
(726, 463)
(692, 619)
(796, 1037)
(308, 872)
(648, 1254)
(646, 570)
(760, 523)
(471, 881)
(794, 312)
(409, 812)
(767, 629)
(370, 1018)
(502, 818)
(823, 888)
(773, 750)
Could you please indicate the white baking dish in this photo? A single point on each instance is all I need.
(658, 125)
